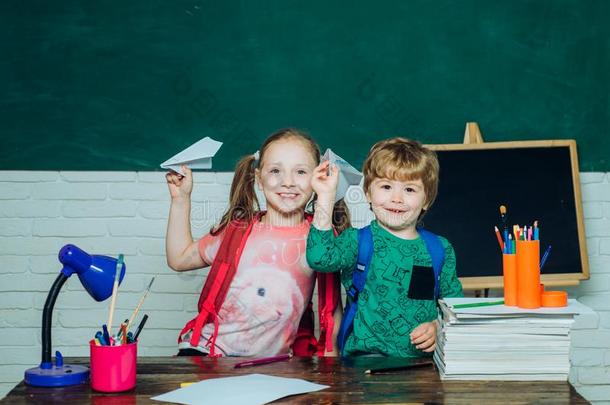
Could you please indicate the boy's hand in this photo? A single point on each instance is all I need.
(424, 337)
(324, 181)
(180, 186)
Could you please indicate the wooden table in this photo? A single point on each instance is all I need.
(347, 381)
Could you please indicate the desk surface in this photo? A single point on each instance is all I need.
(347, 381)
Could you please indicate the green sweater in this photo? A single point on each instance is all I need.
(399, 291)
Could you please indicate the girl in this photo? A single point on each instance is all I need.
(272, 283)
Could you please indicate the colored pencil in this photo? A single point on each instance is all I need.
(499, 237)
(478, 304)
(264, 360)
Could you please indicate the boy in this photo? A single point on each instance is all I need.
(396, 313)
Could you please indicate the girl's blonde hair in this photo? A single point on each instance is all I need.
(403, 159)
(243, 203)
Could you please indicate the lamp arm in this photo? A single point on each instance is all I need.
(47, 315)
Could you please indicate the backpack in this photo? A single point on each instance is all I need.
(221, 275)
(365, 253)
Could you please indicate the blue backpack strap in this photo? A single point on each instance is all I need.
(437, 254)
(365, 253)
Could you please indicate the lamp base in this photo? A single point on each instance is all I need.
(56, 376)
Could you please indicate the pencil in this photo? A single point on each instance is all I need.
(115, 288)
(545, 256)
(478, 304)
(264, 360)
(398, 368)
(499, 237)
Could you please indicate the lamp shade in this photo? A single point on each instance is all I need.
(96, 272)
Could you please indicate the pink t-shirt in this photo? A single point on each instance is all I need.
(271, 288)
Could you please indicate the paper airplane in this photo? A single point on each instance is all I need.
(348, 175)
(197, 156)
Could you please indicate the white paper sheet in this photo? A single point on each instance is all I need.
(197, 156)
(247, 389)
(348, 175)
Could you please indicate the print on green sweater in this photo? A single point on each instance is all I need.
(399, 291)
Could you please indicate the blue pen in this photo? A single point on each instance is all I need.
(545, 256)
(106, 334)
(100, 336)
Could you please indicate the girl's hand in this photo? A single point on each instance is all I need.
(424, 337)
(324, 181)
(180, 187)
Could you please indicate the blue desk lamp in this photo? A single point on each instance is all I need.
(96, 273)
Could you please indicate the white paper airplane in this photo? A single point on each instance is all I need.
(197, 156)
(348, 175)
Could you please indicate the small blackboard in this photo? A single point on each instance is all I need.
(535, 180)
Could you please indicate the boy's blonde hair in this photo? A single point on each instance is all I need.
(403, 159)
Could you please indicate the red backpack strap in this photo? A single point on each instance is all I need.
(329, 291)
(305, 343)
(329, 294)
(218, 281)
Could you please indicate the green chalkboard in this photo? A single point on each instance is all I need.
(109, 85)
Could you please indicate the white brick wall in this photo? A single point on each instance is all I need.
(126, 212)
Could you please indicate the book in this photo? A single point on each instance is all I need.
(478, 341)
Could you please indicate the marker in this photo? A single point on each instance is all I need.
(536, 234)
(99, 336)
(545, 256)
(186, 384)
(478, 304)
(106, 335)
(497, 231)
(140, 327)
(264, 360)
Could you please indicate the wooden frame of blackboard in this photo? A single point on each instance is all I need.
(496, 281)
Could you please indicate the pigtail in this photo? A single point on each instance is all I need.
(341, 217)
(243, 204)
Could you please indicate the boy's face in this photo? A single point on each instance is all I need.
(397, 205)
(285, 176)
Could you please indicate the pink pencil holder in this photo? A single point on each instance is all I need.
(113, 368)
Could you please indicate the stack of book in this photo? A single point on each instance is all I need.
(481, 340)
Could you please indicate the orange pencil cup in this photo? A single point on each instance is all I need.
(113, 368)
(528, 273)
(509, 270)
